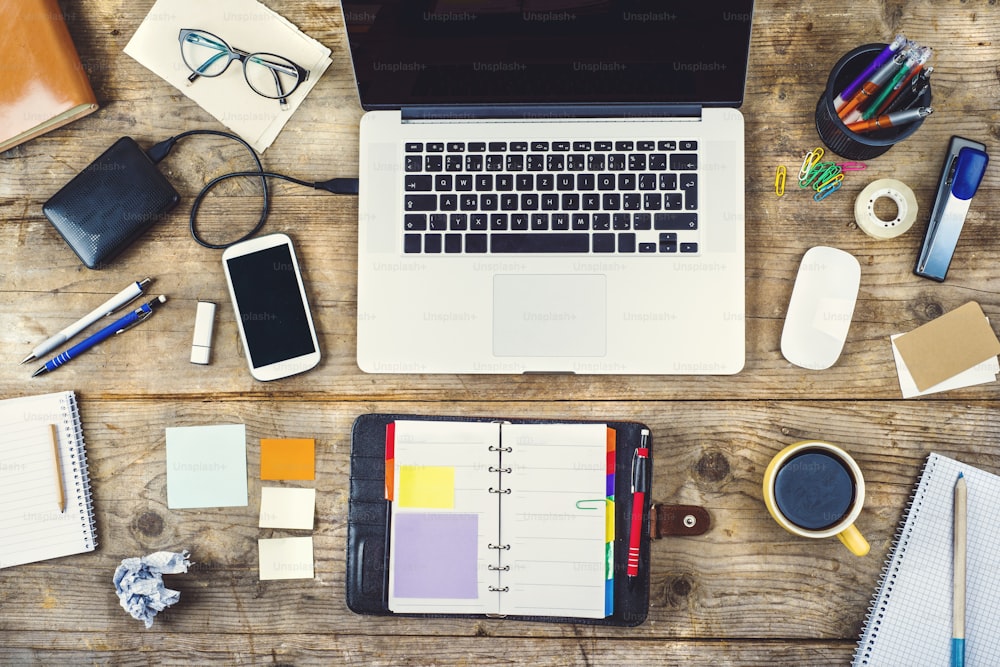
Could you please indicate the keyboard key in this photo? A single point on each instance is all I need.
(452, 243)
(689, 247)
(540, 242)
(498, 221)
(611, 201)
(478, 222)
(550, 202)
(672, 201)
(475, 243)
(689, 186)
(411, 243)
(668, 181)
(540, 221)
(438, 222)
(473, 162)
(666, 145)
(443, 183)
(494, 162)
(675, 221)
(414, 183)
(498, 145)
(560, 221)
(581, 221)
(521, 146)
(602, 145)
(484, 182)
(601, 222)
(544, 182)
(453, 163)
(689, 145)
(565, 182)
(420, 202)
(684, 161)
(433, 163)
(515, 163)
(508, 202)
(624, 146)
(456, 146)
(463, 183)
(505, 182)
(581, 145)
(413, 163)
(413, 147)
(477, 147)
(621, 221)
(535, 162)
(604, 242)
(631, 201)
(523, 182)
(539, 145)
(606, 181)
(570, 202)
(626, 243)
(652, 201)
(636, 161)
(657, 161)
(468, 202)
(529, 202)
(647, 247)
(414, 222)
(585, 182)
(590, 201)
(595, 162)
(435, 147)
(576, 162)
(560, 146)
(616, 162)
(668, 242)
(448, 202)
(642, 221)
(646, 145)
(432, 243)
(488, 202)
(519, 222)
(555, 162)
(626, 181)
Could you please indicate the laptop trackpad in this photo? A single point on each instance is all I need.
(549, 315)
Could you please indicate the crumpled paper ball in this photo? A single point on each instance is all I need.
(139, 583)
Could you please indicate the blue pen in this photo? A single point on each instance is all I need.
(140, 314)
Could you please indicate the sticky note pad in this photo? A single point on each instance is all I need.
(283, 507)
(286, 558)
(427, 487)
(207, 466)
(436, 555)
(948, 345)
(287, 458)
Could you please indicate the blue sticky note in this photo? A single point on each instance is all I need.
(436, 555)
(207, 466)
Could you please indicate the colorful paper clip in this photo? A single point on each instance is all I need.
(827, 191)
(852, 166)
(779, 180)
(811, 160)
(828, 178)
(817, 174)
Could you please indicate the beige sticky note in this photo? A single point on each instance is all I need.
(287, 507)
(948, 345)
(286, 558)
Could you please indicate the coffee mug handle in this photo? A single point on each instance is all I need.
(854, 540)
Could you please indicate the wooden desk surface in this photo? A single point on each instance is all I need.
(747, 593)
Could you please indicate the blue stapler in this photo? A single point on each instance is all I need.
(961, 175)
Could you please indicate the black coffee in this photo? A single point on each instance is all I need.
(814, 489)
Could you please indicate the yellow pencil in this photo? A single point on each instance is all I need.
(58, 463)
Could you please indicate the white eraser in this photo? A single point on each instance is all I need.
(204, 322)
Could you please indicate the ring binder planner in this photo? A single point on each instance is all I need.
(547, 488)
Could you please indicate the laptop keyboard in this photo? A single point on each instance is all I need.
(553, 197)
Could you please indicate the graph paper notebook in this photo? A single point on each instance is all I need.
(909, 622)
(32, 527)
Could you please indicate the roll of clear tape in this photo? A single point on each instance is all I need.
(906, 208)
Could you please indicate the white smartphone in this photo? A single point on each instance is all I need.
(272, 311)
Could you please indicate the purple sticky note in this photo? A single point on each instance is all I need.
(436, 555)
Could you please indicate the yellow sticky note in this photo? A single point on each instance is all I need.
(426, 487)
(288, 458)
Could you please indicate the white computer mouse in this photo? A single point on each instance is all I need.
(821, 308)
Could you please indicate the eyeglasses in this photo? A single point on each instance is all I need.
(269, 75)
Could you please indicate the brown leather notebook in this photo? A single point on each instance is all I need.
(44, 85)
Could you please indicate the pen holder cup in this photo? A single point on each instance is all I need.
(833, 131)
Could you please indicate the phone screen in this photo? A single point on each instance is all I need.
(270, 306)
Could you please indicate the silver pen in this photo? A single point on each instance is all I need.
(111, 305)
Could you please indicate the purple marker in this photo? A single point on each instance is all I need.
(880, 60)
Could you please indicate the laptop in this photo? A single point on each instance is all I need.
(550, 186)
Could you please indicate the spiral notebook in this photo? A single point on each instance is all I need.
(43, 466)
(909, 621)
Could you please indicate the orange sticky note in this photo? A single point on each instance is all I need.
(287, 458)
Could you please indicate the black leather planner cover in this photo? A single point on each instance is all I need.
(109, 204)
(369, 512)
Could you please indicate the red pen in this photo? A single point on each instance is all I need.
(640, 485)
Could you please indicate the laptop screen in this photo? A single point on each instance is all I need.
(420, 52)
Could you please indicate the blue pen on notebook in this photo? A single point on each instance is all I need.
(140, 314)
(958, 587)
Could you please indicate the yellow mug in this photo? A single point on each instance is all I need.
(815, 489)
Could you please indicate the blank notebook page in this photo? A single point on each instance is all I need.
(910, 620)
(32, 528)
